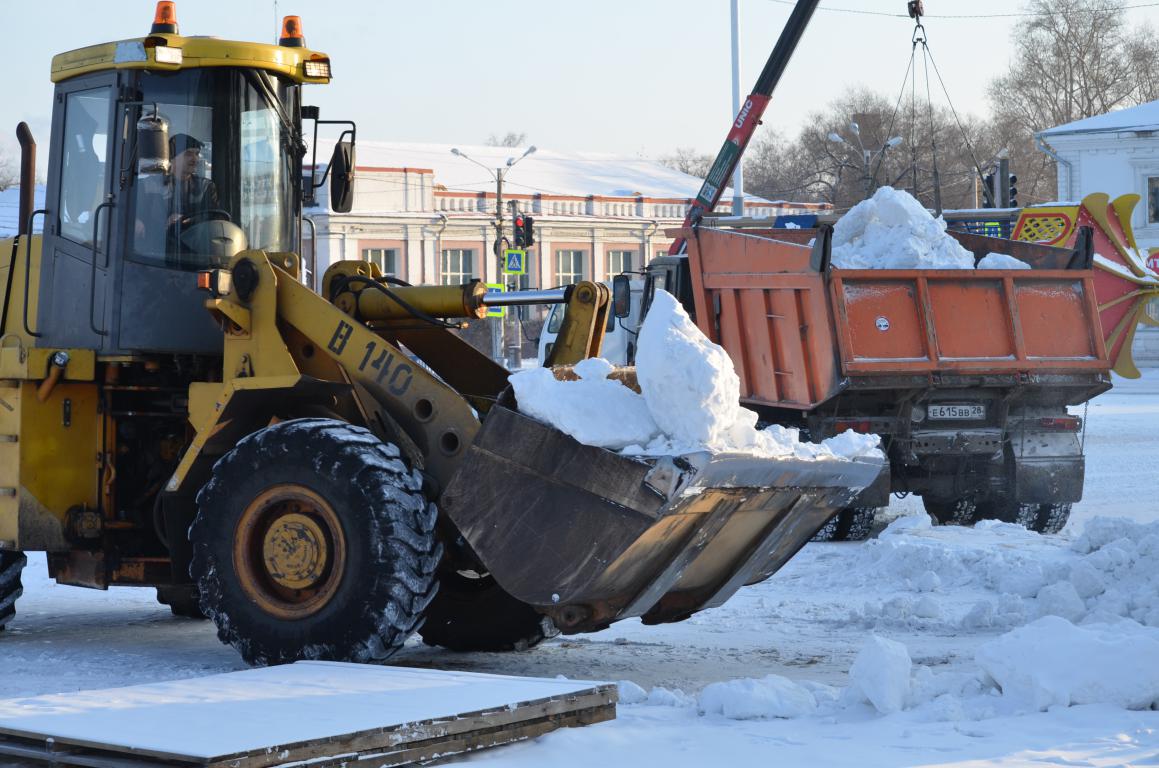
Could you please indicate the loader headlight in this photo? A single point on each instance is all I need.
(318, 68)
(164, 54)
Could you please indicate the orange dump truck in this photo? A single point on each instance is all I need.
(966, 375)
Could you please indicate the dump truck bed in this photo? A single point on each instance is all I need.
(800, 333)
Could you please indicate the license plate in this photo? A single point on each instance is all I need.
(950, 412)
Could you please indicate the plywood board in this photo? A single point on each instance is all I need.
(304, 711)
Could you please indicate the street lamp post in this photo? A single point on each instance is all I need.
(867, 156)
(498, 175)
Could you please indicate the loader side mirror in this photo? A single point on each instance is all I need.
(342, 177)
(621, 296)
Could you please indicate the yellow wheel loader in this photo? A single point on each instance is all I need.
(319, 473)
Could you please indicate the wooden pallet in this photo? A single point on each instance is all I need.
(132, 737)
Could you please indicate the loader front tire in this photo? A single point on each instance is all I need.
(952, 512)
(473, 613)
(11, 564)
(313, 540)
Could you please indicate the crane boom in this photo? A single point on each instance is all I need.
(748, 118)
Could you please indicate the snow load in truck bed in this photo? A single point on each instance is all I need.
(689, 401)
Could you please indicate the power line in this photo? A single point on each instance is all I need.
(1022, 14)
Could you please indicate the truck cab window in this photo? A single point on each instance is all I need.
(84, 162)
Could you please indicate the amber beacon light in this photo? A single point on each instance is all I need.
(292, 33)
(165, 19)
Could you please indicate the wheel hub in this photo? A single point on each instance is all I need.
(295, 551)
(289, 551)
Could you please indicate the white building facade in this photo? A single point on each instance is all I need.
(427, 216)
(1116, 153)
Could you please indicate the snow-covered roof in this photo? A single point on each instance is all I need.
(1144, 117)
(546, 171)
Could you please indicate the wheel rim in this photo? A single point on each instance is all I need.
(289, 551)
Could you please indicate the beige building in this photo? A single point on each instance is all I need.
(426, 215)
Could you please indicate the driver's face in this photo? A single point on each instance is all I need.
(186, 163)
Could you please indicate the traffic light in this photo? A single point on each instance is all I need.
(519, 242)
(528, 231)
(1013, 190)
(989, 198)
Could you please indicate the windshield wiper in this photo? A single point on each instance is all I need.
(261, 80)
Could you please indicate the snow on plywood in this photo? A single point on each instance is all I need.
(255, 709)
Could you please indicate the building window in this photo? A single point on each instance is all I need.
(457, 266)
(569, 267)
(385, 258)
(620, 262)
(661, 253)
(1153, 200)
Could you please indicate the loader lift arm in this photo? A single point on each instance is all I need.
(747, 120)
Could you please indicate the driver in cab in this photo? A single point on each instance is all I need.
(166, 204)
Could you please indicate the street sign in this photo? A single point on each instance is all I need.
(515, 261)
(496, 311)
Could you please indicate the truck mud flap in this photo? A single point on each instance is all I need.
(589, 536)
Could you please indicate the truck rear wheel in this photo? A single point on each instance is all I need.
(1042, 518)
(849, 524)
(313, 540)
(472, 612)
(11, 564)
(953, 512)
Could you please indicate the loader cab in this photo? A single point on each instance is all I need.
(169, 155)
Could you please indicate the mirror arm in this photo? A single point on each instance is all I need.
(351, 131)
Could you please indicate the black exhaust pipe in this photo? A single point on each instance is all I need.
(27, 175)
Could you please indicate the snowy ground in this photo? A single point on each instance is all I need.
(942, 593)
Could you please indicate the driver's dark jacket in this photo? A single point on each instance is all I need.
(196, 194)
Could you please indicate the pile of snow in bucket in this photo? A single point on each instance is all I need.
(689, 401)
(1081, 622)
(892, 230)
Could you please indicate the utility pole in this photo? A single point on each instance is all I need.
(738, 175)
(497, 351)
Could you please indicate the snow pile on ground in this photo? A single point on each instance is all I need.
(769, 697)
(1001, 261)
(1052, 662)
(690, 400)
(892, 230)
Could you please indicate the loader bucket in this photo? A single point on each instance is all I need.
(589, 536)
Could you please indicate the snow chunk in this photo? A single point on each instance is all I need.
(1001, 261)
(595, 411)
(768, 697)
(630, 693)
(881, 673)
(1052, 662)
(1061, 599)
(689, 383)
(892, 230)
(690, 401)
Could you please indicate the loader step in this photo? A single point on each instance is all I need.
(316, 713)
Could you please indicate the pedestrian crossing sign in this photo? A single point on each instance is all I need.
(515, 261)
(496, 311)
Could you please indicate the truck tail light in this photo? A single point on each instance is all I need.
(1061, 423)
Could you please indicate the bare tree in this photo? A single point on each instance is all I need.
(688, 160)
(832, 162)
(9, 173)
(510, 139)
(1075, 59)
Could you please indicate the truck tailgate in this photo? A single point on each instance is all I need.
(907, 321)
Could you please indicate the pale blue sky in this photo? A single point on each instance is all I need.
(637, 77)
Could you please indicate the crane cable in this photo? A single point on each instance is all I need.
(916, 11)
